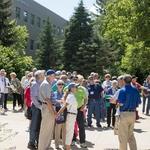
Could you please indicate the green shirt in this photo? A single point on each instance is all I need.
(80, 95)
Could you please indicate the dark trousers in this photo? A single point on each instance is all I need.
(5, 100)
(148, 105)
(94, 107)
(2, 99)
(111, 111)
(80, 121)
(35, 125)
(144, 102)
(17, 97)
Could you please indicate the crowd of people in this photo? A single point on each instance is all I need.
(60, 104)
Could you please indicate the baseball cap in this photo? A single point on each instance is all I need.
(50, 72)
(71, 85)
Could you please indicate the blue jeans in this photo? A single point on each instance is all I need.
(35, 124)
(94, 108)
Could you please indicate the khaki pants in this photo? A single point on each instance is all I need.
(125, 131)
(70, 128)
(60, 128)
(47, 128)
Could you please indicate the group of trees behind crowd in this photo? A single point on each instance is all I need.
(116, 39)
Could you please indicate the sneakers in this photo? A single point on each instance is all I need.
(99, 125)
(2, 111)
(31, 146)
(83, 145)
(57, 147)
(89, 125)
(73, 143)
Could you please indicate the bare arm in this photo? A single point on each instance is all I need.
(62, 109)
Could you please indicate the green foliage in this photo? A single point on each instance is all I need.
(11, 61)
(59, 53)
(136, 58)
(78, 35)
(45, 56)
(126, 23)
(21, 36)
(7, 32)
(13, 40)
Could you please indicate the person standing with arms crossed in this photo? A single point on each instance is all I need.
(128, 99)
(48, 112)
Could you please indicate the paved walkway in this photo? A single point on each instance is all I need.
(14, 135)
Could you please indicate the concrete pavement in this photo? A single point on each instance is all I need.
(14, 135)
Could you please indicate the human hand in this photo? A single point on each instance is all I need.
(62, 101)
(112, 101)
(55, 114)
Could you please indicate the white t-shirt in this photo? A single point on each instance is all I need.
(72, 103)
(2, 84)
(7, 85)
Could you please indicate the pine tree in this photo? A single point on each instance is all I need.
(45, 56)
(78, 31)
(7, 32)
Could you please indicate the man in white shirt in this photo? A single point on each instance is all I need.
(6, 91)
(2, 90)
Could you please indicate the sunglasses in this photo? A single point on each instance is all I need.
(60, 84)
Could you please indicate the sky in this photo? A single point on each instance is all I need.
(65, 8)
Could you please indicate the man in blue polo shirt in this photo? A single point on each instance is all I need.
(129, 99)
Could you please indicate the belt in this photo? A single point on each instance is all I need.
(71, 113)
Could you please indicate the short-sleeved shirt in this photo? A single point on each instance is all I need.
(35, 94)
(95, 91)
(129, 97)
(80, 95)
(57, 96)
(106, 85)
(72, 103)
(54, 87)
(45, 90)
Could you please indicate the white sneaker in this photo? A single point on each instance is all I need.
(73, 143)
(83, 145)
(2, 111)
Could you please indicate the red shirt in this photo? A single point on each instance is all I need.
(27, 97)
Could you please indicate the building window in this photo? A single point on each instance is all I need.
(38, 21)
(25, 15)
(44, 22)
(31, 44)
(62, 31)
(58, 30)
(18, 11)
(32, 19)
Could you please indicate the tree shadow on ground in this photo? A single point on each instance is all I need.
(142, 118)
(139, 130)
(99, 129)
(88, 143)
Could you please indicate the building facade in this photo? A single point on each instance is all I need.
(34, 16)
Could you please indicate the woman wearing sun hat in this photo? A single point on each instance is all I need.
(71, 104)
